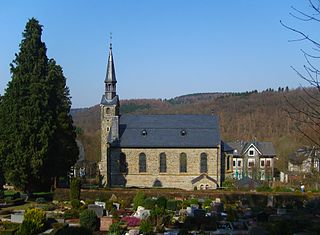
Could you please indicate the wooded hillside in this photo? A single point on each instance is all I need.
(243, 116)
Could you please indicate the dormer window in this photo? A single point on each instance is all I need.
(251, 152)
(183, 132)
(144, 133)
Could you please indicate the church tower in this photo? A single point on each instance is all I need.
(109, 117)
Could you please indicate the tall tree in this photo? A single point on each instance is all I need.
(33, 115)
(65, 152)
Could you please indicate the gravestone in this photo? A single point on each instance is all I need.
(200, 213)
(102, 204)
(97, 209)
(270, 201)
(17, 218)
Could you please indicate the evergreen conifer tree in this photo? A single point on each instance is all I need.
(37, 140)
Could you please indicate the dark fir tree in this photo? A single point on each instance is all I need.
(65, 152)
(36, 129)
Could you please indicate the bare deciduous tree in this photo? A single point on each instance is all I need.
(307, 114)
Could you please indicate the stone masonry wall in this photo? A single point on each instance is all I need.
(108, 112)
(172, 178)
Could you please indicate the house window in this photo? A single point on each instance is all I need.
(268, 163)
(234, 162)
(262, 163)
(203, 163)
(123, 163)
(228, 163)
(163, 162)
(251, 152)
(250, 162)
(183, 162)
(108, 128)
(142, 163)
(239, 163)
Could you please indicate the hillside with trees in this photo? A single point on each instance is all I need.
(243, 116)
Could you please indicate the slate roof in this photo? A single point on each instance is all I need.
(202, 176)
(168, 131)
(111, 72)
(265, 148)
(105, 101)
(247, 182)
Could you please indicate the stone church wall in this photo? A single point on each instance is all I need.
(172, 178)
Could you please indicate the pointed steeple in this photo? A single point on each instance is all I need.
(110, 80)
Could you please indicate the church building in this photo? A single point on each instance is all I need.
(170, 151)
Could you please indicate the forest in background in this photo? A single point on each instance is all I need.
(243, 116)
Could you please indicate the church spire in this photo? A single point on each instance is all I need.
(110, 80)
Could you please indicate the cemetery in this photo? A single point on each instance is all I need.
(154, 211)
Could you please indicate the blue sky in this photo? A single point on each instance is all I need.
(162, 49)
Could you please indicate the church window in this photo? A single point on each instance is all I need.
(163, 162)
(203, 163)
(142, 163)
(183, 162)
(108, 128)
(123, 163)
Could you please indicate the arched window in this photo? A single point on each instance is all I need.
(163, 162)
(203, 163)
(183, 162)
(123, 163)
(142, 163)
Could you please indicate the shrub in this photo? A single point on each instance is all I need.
(138, 200)
(89, 220)
(193, 201)
(161, 202)
(149, 203)
(75, 203)
(146, 227)
(33, 223)
(75, 188)
(207, 203)
(115, 229)
(71, 214)
(172, 205)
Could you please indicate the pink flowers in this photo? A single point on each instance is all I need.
(131, 221)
